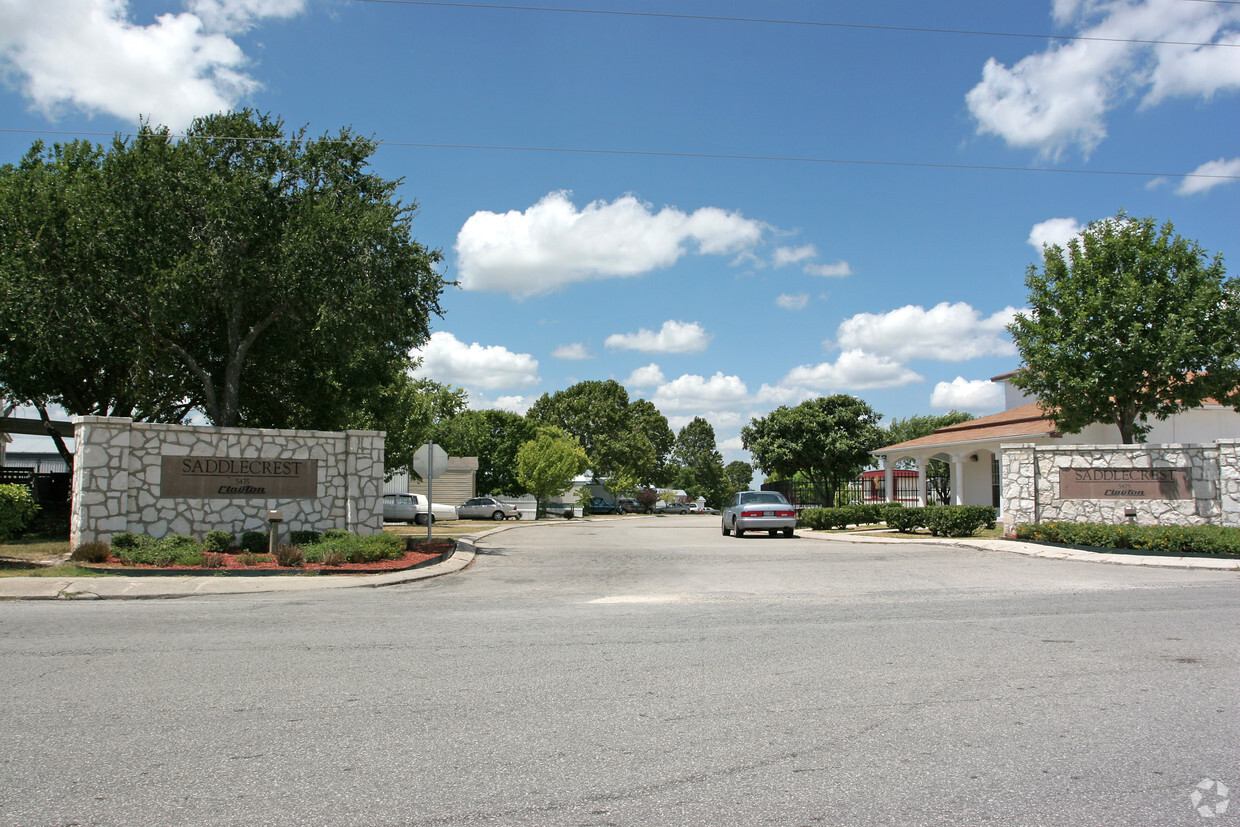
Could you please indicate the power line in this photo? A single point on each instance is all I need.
(794, 159)
(815, 23)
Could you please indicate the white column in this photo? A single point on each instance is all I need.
(957, 479)
(921, 480)
(888, 481)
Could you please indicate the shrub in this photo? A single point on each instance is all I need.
(332, 558)
(304, 538)
(212, 560)
(127, 539)
(17, 509)
(251, 559)
(958, 520)
(218, 541)
(289, 556)
(255, 542)
(904, 520)
(568, 513)
(1202, 539)
(92, 552)
(335, 534)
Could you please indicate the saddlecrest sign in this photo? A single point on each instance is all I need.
(238, 477)
(1125, 484)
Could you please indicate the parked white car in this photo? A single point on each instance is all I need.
(487, 508)
(412, 508)
(759, 511)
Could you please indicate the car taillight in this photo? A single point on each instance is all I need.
(751, 513)
(785, 513)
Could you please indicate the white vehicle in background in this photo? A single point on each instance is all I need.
(487, 508)
(759, 511)
(412, 508)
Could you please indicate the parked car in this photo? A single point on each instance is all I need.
(706, 509)
(412, 508)
(598, 505)
(487, 508)
(765, 511)
(629, 505)
(672, 508)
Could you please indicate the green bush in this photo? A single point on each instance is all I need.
(254, 542)
(345, 547)
(289, 556)
(218, 541)
(958, 520)
(904, 520)
(841, 517)
(336, 534)
(141, 550)
(126, 539)
(304, 538)
(1202, 539)
(17, 509)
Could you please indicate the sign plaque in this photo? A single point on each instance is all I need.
(1124, 484)
(237, 478)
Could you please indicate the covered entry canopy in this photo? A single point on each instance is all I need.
(970, 450)
(34, 427)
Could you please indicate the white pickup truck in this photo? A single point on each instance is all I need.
(412, 508)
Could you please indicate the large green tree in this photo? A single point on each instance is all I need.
(547, 464)
(824, 441)
(701, 465)
(262, 278)
(1130, 322)
(739, 474)
(622, 439)
(494, 437)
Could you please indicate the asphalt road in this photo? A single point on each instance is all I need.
(640, 672)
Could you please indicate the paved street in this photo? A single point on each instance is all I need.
(640, 672)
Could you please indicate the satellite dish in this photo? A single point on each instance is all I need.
(430, 461)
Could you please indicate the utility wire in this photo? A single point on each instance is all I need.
(793, 159)
(816, 23)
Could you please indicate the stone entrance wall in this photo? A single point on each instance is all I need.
(1205, 490)
(118, 477)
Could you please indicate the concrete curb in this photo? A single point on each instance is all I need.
(1049, 552)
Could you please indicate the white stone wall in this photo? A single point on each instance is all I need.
(116, 480)
(1031, 494)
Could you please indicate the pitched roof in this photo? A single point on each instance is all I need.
(1024, 421)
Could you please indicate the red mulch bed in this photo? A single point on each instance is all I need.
(426, 552)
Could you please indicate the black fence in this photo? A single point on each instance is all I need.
(46, 488)
(864, 490)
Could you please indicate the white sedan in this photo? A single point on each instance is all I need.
(759, 511)
(412, 508)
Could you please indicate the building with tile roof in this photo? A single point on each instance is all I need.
(973, 450)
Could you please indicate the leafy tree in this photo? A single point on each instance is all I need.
(494, 437)
(263, 279)
(616, 436)
(547, 464)
(647, 420)
(409, 410)
(646, 498)
(824, 441)
(1131, 321)
(701, 472)
(739, 475)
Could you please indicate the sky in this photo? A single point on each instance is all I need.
(726, 206)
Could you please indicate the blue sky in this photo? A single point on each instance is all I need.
(726, 205)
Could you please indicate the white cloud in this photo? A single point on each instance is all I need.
(91, 56)
(950, 332)
(692, 393)
(446, 359)
(1058, 98)
(960, 394)
(1192, 186)
(854, 370)
(793, 255)
(512, 404)
(648, 377)
(574, 351)
(789, 302)
(552, 243)
(673, 337)
(837, 270)
(1054, 231)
